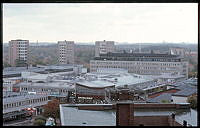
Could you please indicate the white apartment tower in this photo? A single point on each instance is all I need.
(103, 47)
(18, 51)
(66, 52)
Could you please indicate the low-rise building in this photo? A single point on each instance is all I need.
(183, 95)
(55, 89)
(14, 106)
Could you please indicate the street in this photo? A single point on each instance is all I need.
(19, 123)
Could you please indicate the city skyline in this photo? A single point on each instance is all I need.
(125, 22)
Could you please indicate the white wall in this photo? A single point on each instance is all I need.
(179, 99)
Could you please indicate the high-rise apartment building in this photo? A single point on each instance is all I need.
(142, 63)
(66, 52)
(18, 52)
(103, 47)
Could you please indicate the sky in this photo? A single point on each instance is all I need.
(90, 22)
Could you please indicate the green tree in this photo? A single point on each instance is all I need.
(52, 109)
(164, 101)
(40, 117)
(20, 63)
(193, 101)
(39, 122)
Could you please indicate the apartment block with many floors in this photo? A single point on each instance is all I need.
(18, 51)
(103, 47)
(142, 63)
(66, 52)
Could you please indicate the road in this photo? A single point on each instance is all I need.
(19, 123)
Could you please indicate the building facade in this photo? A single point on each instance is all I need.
(66, 52)
(142, 63)
(18, 51)
(178, 51)
(15, 105)
(103, 47)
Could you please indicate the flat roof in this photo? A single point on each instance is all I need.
(186, 92)
(63, 85)
(96, 83)
(158, 99)
(72, 116)
(18, 70)
(121, 79)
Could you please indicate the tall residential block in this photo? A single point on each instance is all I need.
(66, 52)
(103, 47)
(18, 51)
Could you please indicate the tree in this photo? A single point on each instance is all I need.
(193, 101)
(52, 109)
(39, 122)
(20, 63)
(40, 117)
(165, 101)
(6, 64)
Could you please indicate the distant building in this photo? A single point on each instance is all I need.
(177, 51)
(18, 51)
(103, 47)
(66, 52)
(142, 63)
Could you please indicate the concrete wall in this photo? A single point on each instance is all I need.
(179, 99)
(97, 108)
(158, 106)
(151, 120)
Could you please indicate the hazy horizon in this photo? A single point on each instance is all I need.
(90, 22)
(93, 43)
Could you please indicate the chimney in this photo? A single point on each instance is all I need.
(124, 114)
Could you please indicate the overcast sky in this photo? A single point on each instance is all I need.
(120, 22)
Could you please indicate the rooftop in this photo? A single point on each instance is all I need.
(70, 116)
(18, 70)
(63, 85)
(186, 92)
(117, 79)
(160, 98)
(121, 79)
(96, 83)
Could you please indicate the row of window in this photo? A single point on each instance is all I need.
(136, 63)
(136, 67)
(43, 90)
(22, 103)
(138, 59)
